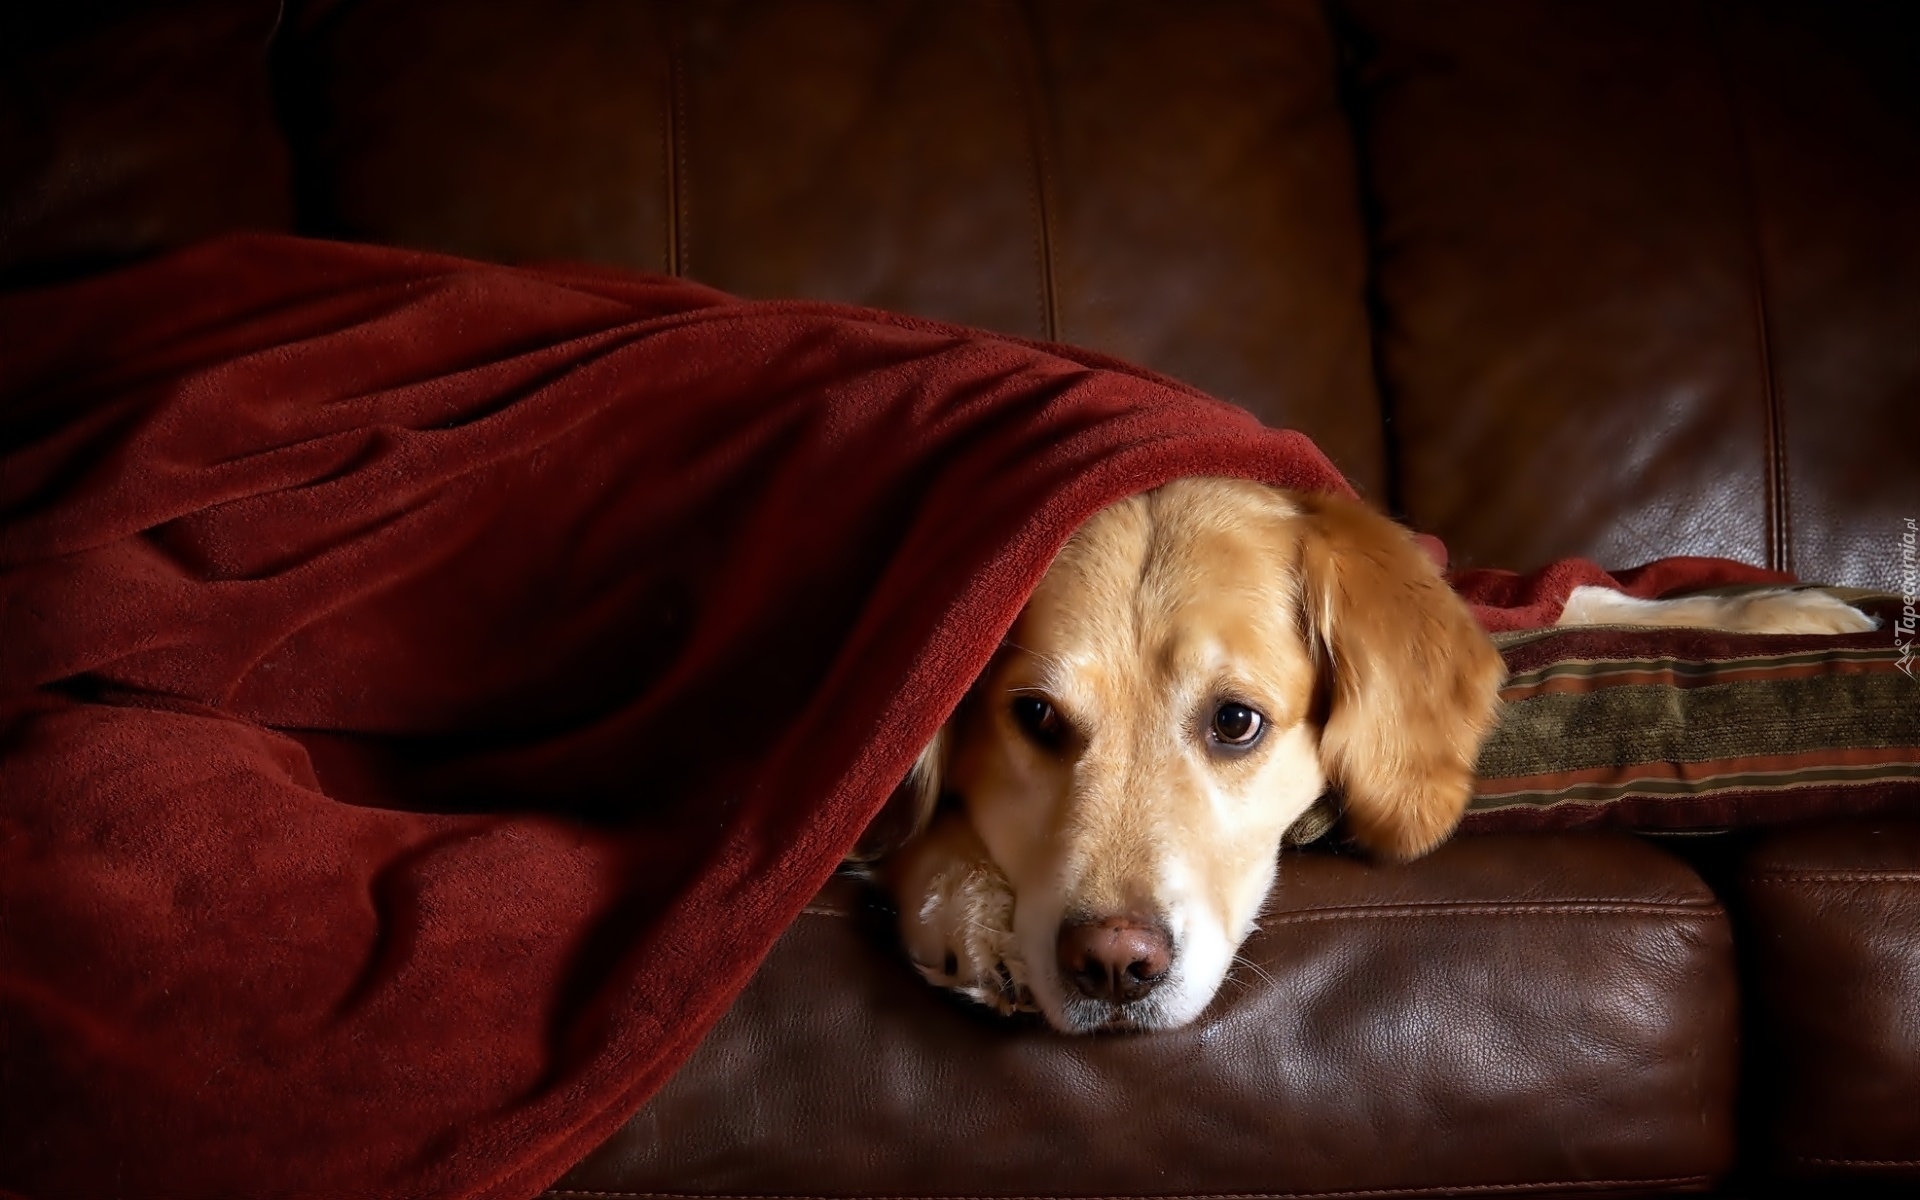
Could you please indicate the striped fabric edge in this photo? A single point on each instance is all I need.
(1816, 768)
(1695, 813)
(1590, 674)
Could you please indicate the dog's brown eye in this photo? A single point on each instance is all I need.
(1236, 724)
(1039, 720)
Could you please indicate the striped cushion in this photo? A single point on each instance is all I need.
(1688, 729)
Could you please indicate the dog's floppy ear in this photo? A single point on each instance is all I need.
(1411, 682)
(910, 809)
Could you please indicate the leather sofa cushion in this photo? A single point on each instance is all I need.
(1653, 267)
(1509, 1013)
(1170, 184)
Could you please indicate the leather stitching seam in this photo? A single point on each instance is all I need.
(1470, 1189)
(1022, 39)
(1369, 912)
(1818, 877)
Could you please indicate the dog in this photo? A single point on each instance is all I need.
(1093, 832)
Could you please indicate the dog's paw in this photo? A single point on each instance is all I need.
(1806, 611)
(956, 916)
(1769, 611)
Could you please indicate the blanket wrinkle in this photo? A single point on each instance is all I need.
(427, 688)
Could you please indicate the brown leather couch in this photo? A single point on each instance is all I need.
(1546, 277)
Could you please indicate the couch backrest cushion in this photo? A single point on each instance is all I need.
(130, 128)
(1640, 279)
(1652, 268)
(1172, 184)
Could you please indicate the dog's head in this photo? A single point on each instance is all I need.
(1199, 664)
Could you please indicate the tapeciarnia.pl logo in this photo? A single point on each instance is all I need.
(1903, 629)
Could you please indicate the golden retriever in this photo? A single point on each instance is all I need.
(1094, 831)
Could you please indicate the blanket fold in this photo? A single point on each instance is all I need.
(427, 689)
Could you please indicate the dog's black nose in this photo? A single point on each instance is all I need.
(1118, 959)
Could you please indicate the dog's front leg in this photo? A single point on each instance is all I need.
(956, 915)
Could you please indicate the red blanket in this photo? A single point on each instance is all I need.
(427, 689)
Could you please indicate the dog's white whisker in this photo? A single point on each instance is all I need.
(1241, 960)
